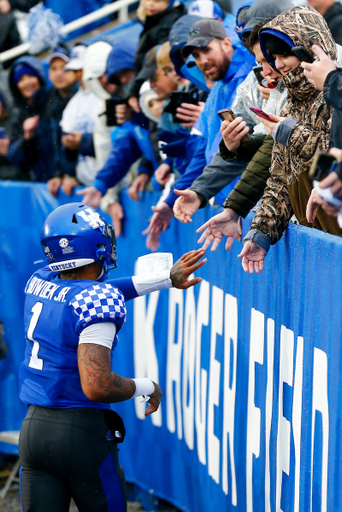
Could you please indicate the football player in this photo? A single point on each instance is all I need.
(68, 440)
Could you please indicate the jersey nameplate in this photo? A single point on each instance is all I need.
(47, 290)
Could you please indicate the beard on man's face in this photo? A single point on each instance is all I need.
(217, 69)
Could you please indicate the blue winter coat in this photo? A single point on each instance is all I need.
(121, 57)
(129, 142)
(221, 96)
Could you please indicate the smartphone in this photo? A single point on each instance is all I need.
(261, 80)
(176, 100)
(2, 133)
(302, 54)
(110, 109)
(321, 166)
(261, 113)
(226, 114)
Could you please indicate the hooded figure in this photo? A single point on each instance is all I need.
(258, 11)
(120, 58)
(34, 156)
(95, 61)
(305, 130)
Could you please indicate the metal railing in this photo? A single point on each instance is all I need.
(120, 6)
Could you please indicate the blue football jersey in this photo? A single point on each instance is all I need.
(56, 312)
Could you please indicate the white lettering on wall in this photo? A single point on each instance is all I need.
(320, 403)
(229, 392)
(188, 395)
(297, 416)
(145, 357)
(269, 409)
(284, 426)
(174, 357)
(201, 374)
(214, 385)
(193, 399)
(256, 355)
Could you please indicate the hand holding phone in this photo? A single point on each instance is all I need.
(226, 114)
(232, 134)
(302, 54)
(261, 113)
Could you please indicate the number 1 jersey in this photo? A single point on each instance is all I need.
(56, 312)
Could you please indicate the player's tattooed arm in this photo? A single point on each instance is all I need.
(184, 267)
(98, 382)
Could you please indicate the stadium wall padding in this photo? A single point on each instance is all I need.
(249, 365)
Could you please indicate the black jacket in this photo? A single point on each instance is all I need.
(333, 17)
(9, 35)
(156, 31)
(65, 161)
(333, 96)
(35, 157)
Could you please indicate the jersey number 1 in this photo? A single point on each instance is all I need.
(35, 361)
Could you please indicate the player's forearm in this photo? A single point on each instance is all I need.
(99, 383)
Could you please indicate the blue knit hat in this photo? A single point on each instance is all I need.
(24, 69)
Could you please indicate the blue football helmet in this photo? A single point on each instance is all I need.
(75, 235)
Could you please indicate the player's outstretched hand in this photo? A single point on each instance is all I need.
(223, 224)
(184, 267)
(154, 400)
(252, 258)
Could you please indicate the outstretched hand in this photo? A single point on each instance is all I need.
(223, 224)
(92, 196)
(252, 258)
(160, 220)
(186, 205)
(184, 267)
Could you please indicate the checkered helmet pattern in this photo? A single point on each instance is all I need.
(99, 302)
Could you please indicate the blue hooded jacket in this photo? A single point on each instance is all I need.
(129, 142)
(221, 96)
(121, 57)
(35, 156)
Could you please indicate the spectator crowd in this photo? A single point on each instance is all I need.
(145, 116)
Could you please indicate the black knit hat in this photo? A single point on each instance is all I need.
(275, 45)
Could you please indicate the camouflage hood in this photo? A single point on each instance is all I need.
(297, 27)
(289, 187)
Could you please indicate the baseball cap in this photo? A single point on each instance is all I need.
(206, 9)
(202, 33)
(76, 58)
(150, 64)
(59, 53)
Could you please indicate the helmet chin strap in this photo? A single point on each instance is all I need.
(102, 272)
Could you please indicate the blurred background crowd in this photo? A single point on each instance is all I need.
(144, 115)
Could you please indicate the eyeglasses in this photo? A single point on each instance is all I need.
(168, 71)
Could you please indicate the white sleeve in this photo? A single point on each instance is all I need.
(148, 284)
(102, 333)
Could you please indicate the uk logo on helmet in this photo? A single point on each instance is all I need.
(93, 218)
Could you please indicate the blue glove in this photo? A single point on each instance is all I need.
(176, 142)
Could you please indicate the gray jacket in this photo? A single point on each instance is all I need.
(220, 173)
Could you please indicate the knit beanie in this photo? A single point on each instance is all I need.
(24, 69)
(275, 45)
